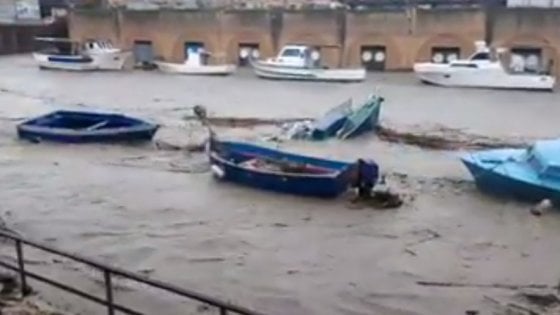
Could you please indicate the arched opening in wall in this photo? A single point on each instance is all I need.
(373, 58)
(143, 54)
(246, 51)
(447, 54)
(195, 53)
(528, 59)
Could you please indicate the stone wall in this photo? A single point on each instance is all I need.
(406, 36)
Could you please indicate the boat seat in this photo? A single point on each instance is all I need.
(97, 126)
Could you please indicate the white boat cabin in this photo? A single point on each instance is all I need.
(98, 46)
(64, 46)
(298, 56)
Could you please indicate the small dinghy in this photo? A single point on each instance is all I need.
(365, 118)
(531, 174)
(279, 171)
(195, 64)
(65, 54)
(86, 127)
(300, 62)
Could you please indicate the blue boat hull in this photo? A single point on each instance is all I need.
(328, 125)
(64, 126)
(494, 183)
(324, 186)
(356, 126)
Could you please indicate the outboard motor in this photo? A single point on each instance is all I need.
(367, 175)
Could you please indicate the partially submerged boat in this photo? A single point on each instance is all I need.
(275, 170)
(195, 64)
(531, 174)
(363, 119)
(481, 70)
(341, 121)
(84, 127)
(298, 62)
(329, 124)
(66, 54)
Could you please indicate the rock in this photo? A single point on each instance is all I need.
(542, 207)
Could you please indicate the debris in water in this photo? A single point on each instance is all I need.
(207, 259)
(480, 285)
(451, 140)
(542, 299)
(542, 207)
(410, 251)
(166, 146)
(245, 122)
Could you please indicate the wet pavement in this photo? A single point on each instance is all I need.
(159, 212)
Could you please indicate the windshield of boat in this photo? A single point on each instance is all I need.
(291, 52)
(481, 56)
(464, 65)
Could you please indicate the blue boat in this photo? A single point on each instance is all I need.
(86, 127)
(531, 174)
(279, 171)
(328, 125)
(365, 118)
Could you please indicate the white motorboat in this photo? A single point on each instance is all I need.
(480, 70)
(65, 54)
(299, 62)
(195, 64)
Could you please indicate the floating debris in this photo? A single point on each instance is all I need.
(449, 139)
(245, 122)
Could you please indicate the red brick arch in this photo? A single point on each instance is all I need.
(549, 49)
(394, 56)
(331, 52)
(465, 45)
(232, 43)
(177, 51)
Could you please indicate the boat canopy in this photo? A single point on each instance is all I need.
(545, 157)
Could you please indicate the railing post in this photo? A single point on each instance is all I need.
(109, 292)
(22, 279)
(223, 311)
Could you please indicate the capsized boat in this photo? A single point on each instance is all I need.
(82, 127)
(195, 64)
(270, 169)
(328, 125)
(531, 174)
(66, 54)
(299, 62)
(363, 119)
(480, 70)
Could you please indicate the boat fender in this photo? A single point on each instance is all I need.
(217, 171)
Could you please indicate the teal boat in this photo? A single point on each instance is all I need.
(531, 174)
(365, 118)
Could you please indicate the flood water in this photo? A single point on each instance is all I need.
(160, 213)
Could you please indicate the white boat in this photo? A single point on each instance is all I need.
(195, 65)
(65, 54)
(480, 70)
(300, 62)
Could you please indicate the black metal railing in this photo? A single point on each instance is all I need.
(108, 272)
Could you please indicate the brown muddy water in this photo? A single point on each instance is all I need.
(159, 212)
